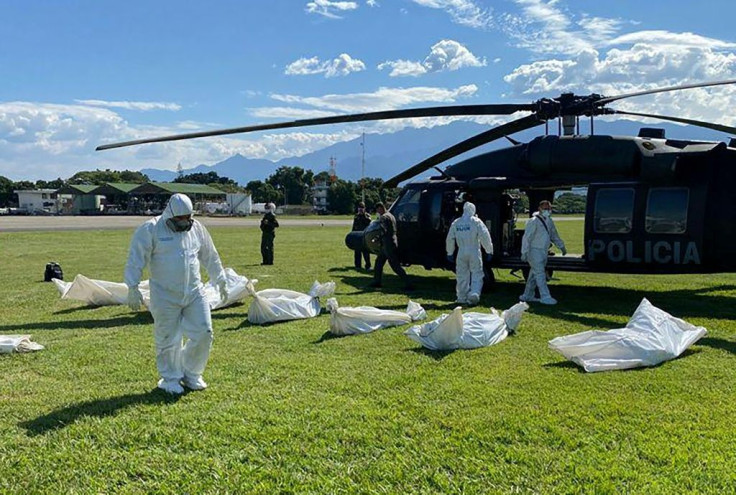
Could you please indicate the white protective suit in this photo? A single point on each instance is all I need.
(178, 303)
(538, 235)
(469, 233)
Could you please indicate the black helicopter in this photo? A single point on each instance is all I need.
(654, 205)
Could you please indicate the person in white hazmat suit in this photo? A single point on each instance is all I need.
(172, 245)
(539, 233)
(469, 233)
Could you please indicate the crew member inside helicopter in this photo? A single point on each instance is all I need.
(539, 233)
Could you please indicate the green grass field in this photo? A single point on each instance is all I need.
(290, 410)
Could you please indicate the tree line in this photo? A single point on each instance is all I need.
(286, 186)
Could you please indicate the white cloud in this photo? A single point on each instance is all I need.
(447, 55)
(544, 27)
(463, 12)
(639, 67)
(45, 141)
(342, 65)
(287, 113)
(144, 106)
(372, 3)
(328, 9)
(381, 99)
(670, 38)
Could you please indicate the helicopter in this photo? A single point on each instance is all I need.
(654, 205)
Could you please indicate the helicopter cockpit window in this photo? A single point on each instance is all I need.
(614, 211)
(406, 208)
(667, 210)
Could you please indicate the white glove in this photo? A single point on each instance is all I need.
(523, 256)
(135, 298)
(222, 287)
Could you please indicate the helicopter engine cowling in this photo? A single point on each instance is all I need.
(600, 155)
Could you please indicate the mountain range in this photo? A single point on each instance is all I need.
(388, 154)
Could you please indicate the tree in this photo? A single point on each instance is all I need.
(24, 185)
(342, 196)
(261, 192)
(100, 177)
(6, 185)
(322, 177)
(522, 203)
(293, 182)
(375, 192)
(570, 203)
(51, 184)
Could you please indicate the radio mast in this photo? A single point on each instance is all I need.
(362, 170)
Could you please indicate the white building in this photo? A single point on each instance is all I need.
(319, 196)
(38, 201)
(239, 203)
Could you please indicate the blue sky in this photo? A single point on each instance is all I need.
(76, 74)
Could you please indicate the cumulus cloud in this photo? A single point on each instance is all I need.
(329, 9)
(144, 106)
(342, 65)
(45, 141)
(463, 12)
(636, 68)
(447, 55)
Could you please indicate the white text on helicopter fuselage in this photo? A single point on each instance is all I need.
(664, 252)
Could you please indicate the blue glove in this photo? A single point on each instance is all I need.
(450, 258)
(489, 257)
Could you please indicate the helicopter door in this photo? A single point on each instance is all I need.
(641, 229)
(408, 232)
(433, 227)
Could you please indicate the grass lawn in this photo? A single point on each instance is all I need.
(290, 410)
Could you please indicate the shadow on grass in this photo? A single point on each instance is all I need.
(564, 365)
(436, 355)
(99, 408)
(722, 344)
(576, 303)
(247, 324)
(141, 318)
(570, 364)
(329, 336)
(89, 307)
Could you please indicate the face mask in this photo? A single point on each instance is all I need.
(546, 213)
(180, 225)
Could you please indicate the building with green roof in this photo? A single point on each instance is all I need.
(116, 196)
(153, 196)
(78, 199)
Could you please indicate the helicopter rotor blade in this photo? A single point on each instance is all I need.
(606, 100)
(708, 125)
(471, 143)
(443, 111)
